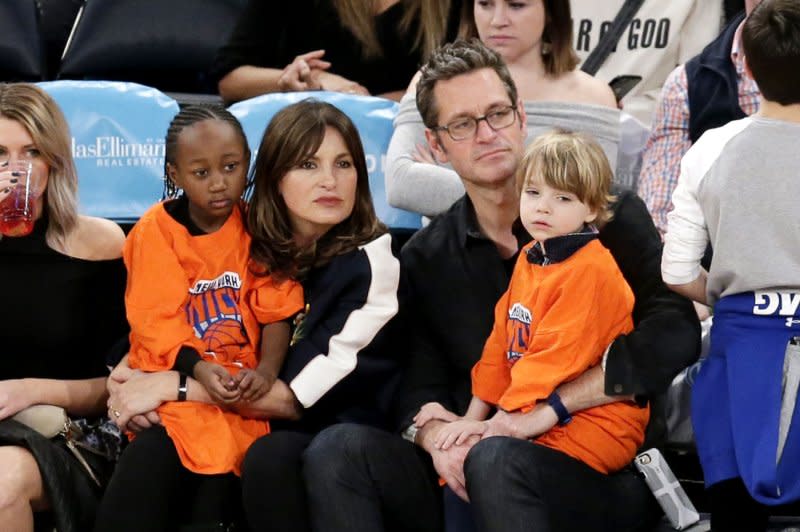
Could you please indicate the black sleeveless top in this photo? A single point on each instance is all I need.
(59, 315)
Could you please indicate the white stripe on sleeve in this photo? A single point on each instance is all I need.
(323, 372)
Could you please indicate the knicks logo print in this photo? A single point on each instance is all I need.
(213, 312)
(519, 331)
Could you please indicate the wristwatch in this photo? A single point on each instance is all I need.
(410, 434)
(554, 400)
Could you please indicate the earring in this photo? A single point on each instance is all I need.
(546, 48)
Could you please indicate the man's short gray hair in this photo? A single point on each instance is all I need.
(454, 59)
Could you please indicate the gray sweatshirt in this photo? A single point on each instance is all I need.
(739, 189)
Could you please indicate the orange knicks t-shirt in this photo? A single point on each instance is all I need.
(553, 323)
(197, 291)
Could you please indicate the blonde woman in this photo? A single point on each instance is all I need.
(62, 308)
(352, 46)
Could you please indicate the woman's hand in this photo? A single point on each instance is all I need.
(15, 396)
(336, 83)
(7, 181)
(303, 73)
(140, 395)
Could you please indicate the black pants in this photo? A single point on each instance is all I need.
(273, 490)
(151, 490)
(516, 485)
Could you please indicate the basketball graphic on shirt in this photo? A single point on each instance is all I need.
(224, 338)
(519, 330)
(214, 314)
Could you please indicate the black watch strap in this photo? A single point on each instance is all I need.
(182, 387)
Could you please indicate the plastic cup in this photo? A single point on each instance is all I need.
(19, 190)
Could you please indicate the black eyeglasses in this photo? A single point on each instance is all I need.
(465, 128)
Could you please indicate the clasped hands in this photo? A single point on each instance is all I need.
(247, 385)
(310, 72)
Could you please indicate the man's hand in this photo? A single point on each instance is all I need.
(449, 464)
(525, 426)
(219, 384)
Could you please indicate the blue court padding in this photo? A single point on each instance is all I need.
(373, 118)
(118, 132)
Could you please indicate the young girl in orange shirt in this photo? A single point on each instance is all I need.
(197, 305)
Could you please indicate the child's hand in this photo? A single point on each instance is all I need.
(253, 385)
(458, 432)
(219, 384)
(431, 411)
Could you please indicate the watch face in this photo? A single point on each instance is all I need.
(410, 434)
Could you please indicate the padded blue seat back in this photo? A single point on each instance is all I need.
(373, 118)
(21, 43)
(168, 44)
(118, 134)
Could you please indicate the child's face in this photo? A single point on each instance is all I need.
(547, 212)
(211, 168)
(320, 192)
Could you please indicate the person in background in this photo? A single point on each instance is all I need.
(534, 39)
(660, 37)
(62, 310)
(357, 47)
(709, 91)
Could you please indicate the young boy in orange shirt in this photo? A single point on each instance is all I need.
(566, 302)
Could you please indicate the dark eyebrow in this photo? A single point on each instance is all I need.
(491, 107)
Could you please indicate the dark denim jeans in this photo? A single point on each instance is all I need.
(516, 485)
(360, 478)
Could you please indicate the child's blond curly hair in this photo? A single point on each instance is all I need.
(572, 162)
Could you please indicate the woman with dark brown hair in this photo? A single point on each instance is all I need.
(311, 207)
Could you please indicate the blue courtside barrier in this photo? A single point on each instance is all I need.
(373, 118)
(118, 134)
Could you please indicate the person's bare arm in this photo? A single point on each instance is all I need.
(85, 397)
(586, 391)
(247, 81)
(695, 290)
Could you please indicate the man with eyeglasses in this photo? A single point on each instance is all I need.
(454, 271)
